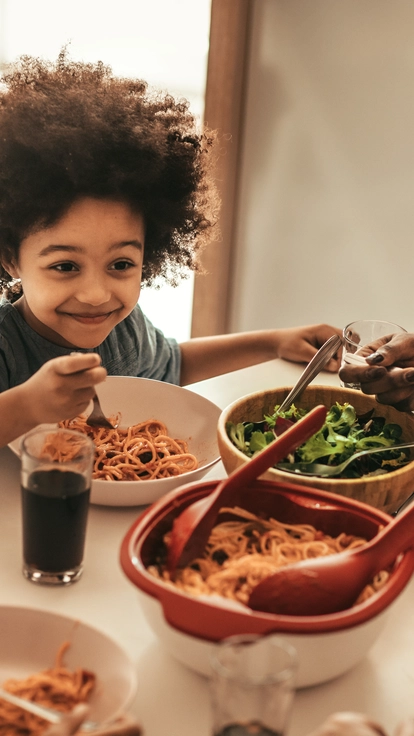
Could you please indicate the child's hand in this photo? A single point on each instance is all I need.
(299, 344)
(71, 723)
(63, 387)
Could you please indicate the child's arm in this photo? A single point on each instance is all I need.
(204, 357)
(60, 389)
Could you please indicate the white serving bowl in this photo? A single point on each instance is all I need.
(187, 415)
(189, 627)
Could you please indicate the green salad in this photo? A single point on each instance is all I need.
(343, 434)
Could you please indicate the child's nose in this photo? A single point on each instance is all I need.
(93, 290)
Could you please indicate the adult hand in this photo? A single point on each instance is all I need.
(389, 371)
(299, 344)
(72, 722)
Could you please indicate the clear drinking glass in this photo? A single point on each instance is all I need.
(360, 333)
(252, 685)
(56, 475)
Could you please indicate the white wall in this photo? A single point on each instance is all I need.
(326, 218)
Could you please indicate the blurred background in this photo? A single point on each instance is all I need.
(314, 104)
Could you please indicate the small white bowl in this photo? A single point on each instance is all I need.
(187, 415)
(31, 639)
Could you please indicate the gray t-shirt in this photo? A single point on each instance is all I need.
(133, 348)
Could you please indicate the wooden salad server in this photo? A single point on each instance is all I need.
(333, 583)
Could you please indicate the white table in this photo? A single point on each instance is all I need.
(171, 700)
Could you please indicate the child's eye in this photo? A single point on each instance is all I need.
(122, 265)
(65, 267)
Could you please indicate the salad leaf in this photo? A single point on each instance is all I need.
(260, 440)
(342, 435)
(236, 434)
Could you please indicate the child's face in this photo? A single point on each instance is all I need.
(82, 276)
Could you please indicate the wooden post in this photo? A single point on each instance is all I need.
(224, 103)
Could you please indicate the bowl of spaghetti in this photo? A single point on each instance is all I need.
(163, 436)
(57, 661)
(386, 491)
(271, 524)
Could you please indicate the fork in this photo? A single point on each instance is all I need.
(318, 362)
(302, 468)
(97, 418)
(48, 714)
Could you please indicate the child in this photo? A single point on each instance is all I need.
(103, 186)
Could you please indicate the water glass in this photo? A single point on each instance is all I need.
(252, 685)
(360, 333)
(56, 475)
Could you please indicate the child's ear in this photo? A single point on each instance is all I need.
(12, 269)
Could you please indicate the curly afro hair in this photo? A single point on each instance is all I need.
(71, 129)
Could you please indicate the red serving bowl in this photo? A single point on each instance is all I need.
(327, 645)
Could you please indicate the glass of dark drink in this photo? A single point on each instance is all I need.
(56, 474)
(252, 685)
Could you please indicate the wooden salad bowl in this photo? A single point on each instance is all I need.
(385, 492)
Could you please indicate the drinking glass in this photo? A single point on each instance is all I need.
(360, 333)
(56, 474)
(252, 685)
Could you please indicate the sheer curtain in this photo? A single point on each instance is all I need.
(164, 42)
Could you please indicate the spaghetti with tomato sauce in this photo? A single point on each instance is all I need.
(143, 451)
(240, 553)
(58, 688)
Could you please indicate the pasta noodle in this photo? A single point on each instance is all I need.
(58, 688)
(242, 552)
(141, 452)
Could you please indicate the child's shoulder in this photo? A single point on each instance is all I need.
(7, 311)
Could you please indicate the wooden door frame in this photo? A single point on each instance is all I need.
(224, 105)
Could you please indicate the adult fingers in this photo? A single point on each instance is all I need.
(394, 386)
(398, 350)
(362, 374)
(403, 401)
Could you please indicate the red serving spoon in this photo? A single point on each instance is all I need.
(191, 529)
(328, 584)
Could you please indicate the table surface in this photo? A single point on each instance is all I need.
(171, 700)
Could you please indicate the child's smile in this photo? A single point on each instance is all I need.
(82, 276)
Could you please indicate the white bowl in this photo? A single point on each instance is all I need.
(187, 415)
(321, 658)
(30, 639)
(189, 626)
